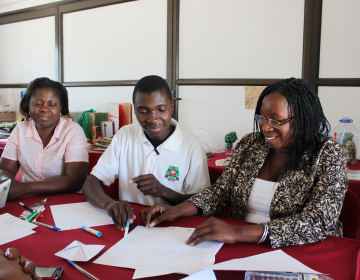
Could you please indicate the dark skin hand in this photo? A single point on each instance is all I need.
(119, 211)
(149, 185)
(75, 176)
(212, 229)
(14, 266)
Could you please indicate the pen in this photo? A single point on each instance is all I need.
(82, 270)
(26, 207)
(127, 228)
(45, 225)
(39, 214)
(33, 215)
(92, 231)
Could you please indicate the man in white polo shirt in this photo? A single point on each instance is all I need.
(155, 161)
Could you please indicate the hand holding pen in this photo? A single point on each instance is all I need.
(120, 212)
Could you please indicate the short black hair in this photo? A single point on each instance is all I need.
(150, 84)
(308, 124)
(44, 83)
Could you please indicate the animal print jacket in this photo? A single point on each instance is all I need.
(306, 205)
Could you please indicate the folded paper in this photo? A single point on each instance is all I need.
(80, 252)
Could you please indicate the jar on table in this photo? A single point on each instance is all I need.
(348, 136)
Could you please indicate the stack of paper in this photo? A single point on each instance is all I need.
(13, 228)
(160, 251)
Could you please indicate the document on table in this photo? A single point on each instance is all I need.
(353, 175)
(4, 191)
(13, 228)
(157, 251)
(271, 261)
(192, 258)
(76, 215)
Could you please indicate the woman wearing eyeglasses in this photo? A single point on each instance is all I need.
(287, 176)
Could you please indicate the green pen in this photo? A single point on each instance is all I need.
(32, 216)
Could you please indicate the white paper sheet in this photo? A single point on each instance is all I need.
(145, 248)
(353, 175)
(192, 259)
(78, 251)
(4, 191)
(270, 261)
(204, 274)
(76, 215)
(13, 228)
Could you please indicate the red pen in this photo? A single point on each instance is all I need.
(335, 136)
(39, 214)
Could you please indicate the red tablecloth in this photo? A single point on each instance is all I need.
(338, 257)
(355, 185)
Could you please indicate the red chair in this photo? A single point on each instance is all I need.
(350, 216)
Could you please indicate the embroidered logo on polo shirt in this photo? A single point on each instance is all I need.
(172, 174)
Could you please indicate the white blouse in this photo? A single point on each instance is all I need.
(258, 207)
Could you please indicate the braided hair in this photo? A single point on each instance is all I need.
(309, 125)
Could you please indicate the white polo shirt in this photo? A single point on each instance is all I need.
(180, 166)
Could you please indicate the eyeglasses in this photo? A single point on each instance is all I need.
(273, 123)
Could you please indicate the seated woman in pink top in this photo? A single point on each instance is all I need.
(50, 148)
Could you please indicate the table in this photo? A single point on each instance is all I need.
(337, 256)
(355, 185)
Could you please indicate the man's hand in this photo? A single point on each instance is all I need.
(120, 211)
(27, 266)
(16, 190)
(214, 229)
(158, 213)
(149, 185)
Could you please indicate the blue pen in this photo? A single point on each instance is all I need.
(127, 228)
(45, 225)
(82, 270)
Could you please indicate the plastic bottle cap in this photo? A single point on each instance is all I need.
(346, 120)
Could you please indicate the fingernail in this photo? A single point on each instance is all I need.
(27, 269)
(131, 181)
(131, 221)
(152, 224)
(9, 254)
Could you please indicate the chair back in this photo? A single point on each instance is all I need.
(350, 216)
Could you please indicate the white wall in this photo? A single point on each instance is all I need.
(13, 5)
(119, 42)
(241, 39)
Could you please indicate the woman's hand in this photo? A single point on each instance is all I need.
(27, 266)
(158, 213)
(120, 211)
(214, 229)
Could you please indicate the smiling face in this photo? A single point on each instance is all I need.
(153, 111)
(45, 108)
(275, 106)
